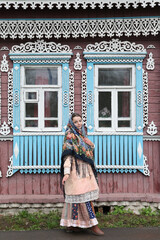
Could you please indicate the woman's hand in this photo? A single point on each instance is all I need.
(65, 178)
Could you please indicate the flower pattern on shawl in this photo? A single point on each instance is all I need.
(74, 140)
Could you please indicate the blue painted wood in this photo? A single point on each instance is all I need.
(139, 97)
(134, 150)
(65, 95)
(26, 153)
(21, 150)
(47, 150)
(109, 150)
(34, 151)
(60, 148)
(39, 151)
(52, 150)
(104, 150)
(117, 150)
(26, 150)
(43, 150)
(56, 150)
(30, 151)
(96, 150)
(130, 150)
(113, 149)
(100, 151)
(16, 158)
(125, 150)
(139, 150)
(16, 97)
(121, 150)
(90, 97)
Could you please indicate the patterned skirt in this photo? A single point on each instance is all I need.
(80, 215)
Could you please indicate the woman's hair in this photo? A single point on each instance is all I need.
(75, 115)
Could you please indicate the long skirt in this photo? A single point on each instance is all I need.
(80, 215)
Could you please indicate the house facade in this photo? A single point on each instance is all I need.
(97, 58)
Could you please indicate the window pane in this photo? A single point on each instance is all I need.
(31, 123)
(104, 123)
(123, 123)
(105, 104)
(51, 123)
(116, 76)
(51, 104)
(31, 95)
(41, 76)
(31, 109)
(124, 104)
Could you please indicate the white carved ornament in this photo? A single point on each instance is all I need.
(125, 168)
(10, 167)
(78, 62)
(4, 64)
(4, 129)
(145, 98)
(10, 98)
(152, 129)
(40, 52)
(115, 45)
(48, 29)
(33, 4)
(71, 92)
(84, 97)
(114, 51)
(150, 62)
(40, 46)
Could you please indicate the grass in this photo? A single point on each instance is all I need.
(119, 217)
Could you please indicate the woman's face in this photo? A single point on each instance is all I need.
(77, 122)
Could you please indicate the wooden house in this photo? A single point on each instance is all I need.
(98, 58)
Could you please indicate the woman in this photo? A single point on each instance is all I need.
(78, 178)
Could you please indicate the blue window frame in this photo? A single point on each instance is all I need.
(38, 149)
(117, 149)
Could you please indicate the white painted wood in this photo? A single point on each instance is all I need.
(40, 89)
(114, 96)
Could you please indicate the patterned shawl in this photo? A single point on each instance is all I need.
(76, 146)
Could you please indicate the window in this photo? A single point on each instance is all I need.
(115, 97)
(41, 98)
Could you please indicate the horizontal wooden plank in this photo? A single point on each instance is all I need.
(115, 197)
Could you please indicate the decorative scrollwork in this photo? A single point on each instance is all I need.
(78, 62)
(4, 64)
(10, 98)
(71, 92)
(84, 97)
(79, 28)
(40, 46)
(16, 98)
(150, 62)
(10, 168)
(152, 129)
(77, 4)
(145, 98)
(65, 98)
(139, 98)
(4, 129)
(115, 45)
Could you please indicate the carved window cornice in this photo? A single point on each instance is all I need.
(40, 52)
(66, 28)
(34, 4)
(114, 51)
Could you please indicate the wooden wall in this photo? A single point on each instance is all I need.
(46, 187)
